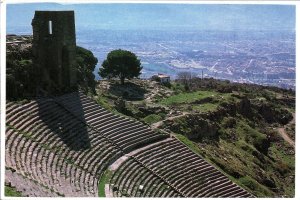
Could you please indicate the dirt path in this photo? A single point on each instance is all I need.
(284, 135)
(158, 124)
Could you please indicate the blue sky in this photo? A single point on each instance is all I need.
(163, 16)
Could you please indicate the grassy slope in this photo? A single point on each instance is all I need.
(104, 180)
(239, 165)
(187, 101)
(187, 97)
(244, 163)
(12, 192)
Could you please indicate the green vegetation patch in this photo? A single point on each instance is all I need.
(104, 180)
(12, 192)
(150, 119)
(206, 107)
(283, 160)
(187, 97)
(252, 136)
(103, 101)
(258, 189)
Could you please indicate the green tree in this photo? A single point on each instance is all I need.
(122, 64)
(86, 63)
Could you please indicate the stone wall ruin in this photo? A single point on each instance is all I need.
(54, 49)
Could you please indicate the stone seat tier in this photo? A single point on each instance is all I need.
(102, 120)
(28, 187)
(189, 173)
(18, 108)
(131, 175)
(51, 169)
(41, 173)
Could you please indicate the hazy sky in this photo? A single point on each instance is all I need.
(163, 16)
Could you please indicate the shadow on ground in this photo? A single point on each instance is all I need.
(60, 121)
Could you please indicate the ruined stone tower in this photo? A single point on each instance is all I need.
(54, 49)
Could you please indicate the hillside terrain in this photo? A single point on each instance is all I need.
(189, 138)
(246, 131)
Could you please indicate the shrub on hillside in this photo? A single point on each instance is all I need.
(255, 186)
(167, 84)
(229, 122)
(150, 119)
(259, 140)
(261, 143)
(282, 168)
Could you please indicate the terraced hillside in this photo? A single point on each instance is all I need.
(63, 146)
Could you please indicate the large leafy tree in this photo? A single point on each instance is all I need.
(120, 64)
(86, 63)
(20, 73)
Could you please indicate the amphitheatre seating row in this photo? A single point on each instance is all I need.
(27, 186)
(126, 133)
(131, 175)
(47, 144)
(182, 169)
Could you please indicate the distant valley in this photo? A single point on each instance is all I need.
(266, 58)
(261, 57)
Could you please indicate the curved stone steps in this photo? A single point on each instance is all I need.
(127, 168)
(24, 113)
(40, 169)
(122, 127)
(141, 141)
(210, 181)
(45, 136)
(128, 139)
(157, 190)
(137, 180)
(150, 180)
(186, 171)
(156, 183)
(26, 110)
(18, 108)
(27, 186)
(127, 177)
(109, 123)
